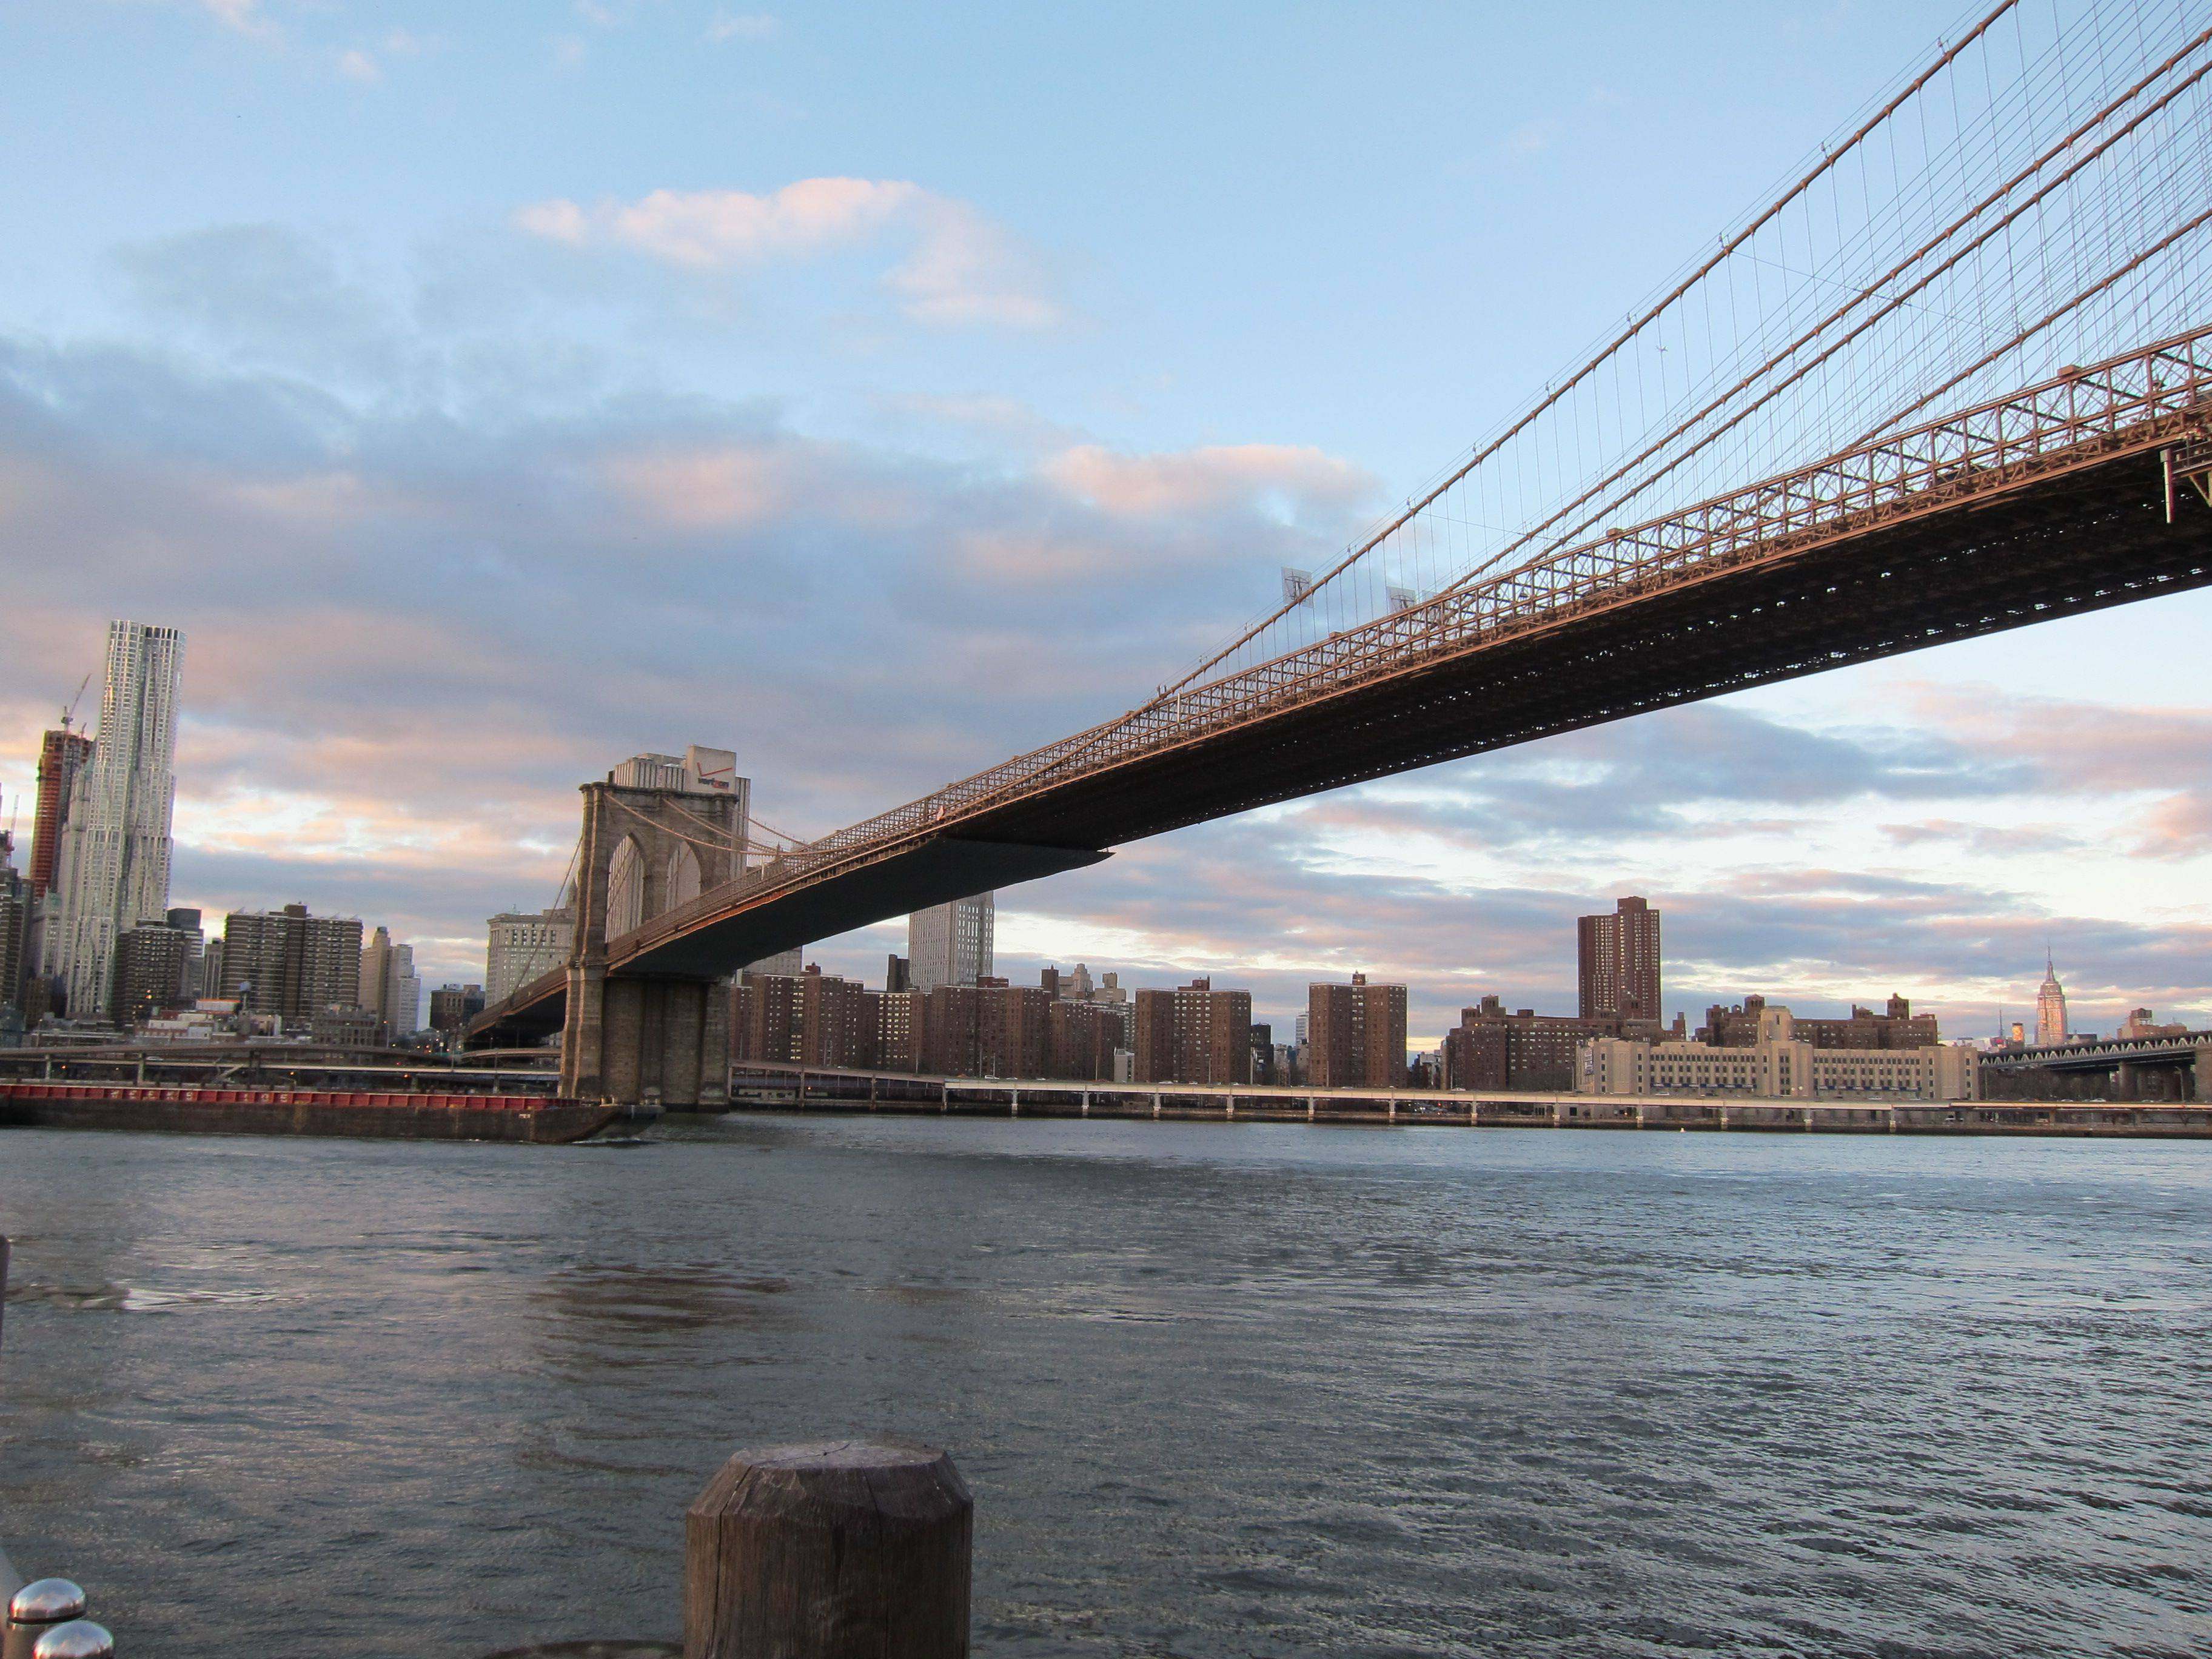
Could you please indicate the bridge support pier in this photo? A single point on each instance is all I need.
(646, 1042)
(642, 1039)
(2127, 1084)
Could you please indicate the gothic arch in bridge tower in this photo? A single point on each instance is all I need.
(684, 882)
(625, 889)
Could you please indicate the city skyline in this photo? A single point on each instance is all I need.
(267, 395)
(850, 954)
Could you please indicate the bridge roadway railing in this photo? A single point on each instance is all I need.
(2087, 416)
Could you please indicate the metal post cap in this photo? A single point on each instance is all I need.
(45, 1601)
(80, 1638)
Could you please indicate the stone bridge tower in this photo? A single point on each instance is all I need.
(648, 1039)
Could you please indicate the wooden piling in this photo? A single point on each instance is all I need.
(838, 1549)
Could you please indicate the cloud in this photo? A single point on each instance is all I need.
(1208, 480)
(243, 15)
(958, 268)
(267, 297)
(357, 65)
(751, 26)
(437, 564)
(411, 632)
(966, 269)
(721, 487)
(1531, 137)
(719, 228)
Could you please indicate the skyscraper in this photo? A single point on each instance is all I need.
(523, 945)
(1619, 963)
(114, 866)
(390, 988)
(951, 944)
(2050, 1007)
(61, 755)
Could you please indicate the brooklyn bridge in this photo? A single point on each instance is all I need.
(1954, 378)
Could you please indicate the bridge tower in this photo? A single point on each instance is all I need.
(663, 1039)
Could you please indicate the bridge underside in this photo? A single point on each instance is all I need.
(2083, 541)
(935, 872)
(2076, 543)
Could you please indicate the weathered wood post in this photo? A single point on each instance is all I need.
(839, 1549)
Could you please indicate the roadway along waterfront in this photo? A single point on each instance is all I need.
(1219, 1391)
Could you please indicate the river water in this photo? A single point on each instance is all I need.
(1218, 1390)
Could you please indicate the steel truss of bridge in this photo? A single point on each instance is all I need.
(2179, 1048)
(2083, 491)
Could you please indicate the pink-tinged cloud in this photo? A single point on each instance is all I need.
(953, 264)
(1209, 479)
(713, 228)
(718, 487)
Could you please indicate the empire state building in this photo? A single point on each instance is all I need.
(2050, 1008)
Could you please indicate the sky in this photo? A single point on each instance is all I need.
(491, 392)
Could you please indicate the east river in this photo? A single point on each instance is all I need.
(1218, 1390)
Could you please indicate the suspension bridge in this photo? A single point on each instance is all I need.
(1953, 378)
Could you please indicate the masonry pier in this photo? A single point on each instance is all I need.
(663, 1040)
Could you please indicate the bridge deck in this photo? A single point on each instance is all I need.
(2051, 501)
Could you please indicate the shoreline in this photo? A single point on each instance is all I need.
(2080, 1120)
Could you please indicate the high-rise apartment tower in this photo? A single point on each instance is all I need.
(1620, 961)
(290, 963)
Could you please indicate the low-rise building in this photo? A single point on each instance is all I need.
(1493, 1049)
(452, 1006)
(1779, 1065)
(2141, 1022)
(1897, 1027)
(346, 1025)
(210, 1019)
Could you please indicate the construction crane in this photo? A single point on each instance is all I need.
(69, 713)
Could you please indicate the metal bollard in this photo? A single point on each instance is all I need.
(80, 1638)
(41, 1606)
